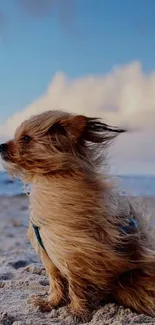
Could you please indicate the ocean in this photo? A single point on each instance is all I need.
(130, 185)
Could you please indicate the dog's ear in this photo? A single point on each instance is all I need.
(73, 127)
(89, 129)
(99, 132)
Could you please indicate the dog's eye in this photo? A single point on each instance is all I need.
(26, 138)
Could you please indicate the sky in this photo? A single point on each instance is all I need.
(84, 56)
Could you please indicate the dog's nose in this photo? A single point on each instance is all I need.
(3, 147)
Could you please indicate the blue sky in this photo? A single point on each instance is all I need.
(99, 35)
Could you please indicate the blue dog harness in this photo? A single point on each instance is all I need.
(130, 228)
(37, 233)
(126, 230)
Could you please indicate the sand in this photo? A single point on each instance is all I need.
(22, 275)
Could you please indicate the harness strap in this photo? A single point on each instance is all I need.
(131, 227)
(37, 233)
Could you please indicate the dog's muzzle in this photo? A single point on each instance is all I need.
(4, 151)
(3, 148)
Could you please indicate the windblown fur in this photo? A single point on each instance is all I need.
(80, 215)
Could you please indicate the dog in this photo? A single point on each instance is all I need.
(92, 242)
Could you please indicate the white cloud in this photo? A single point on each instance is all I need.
(125, 96)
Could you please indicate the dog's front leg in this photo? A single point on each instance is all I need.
(56, 291)
(78, 300)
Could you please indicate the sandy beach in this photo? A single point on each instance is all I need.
(22, 275)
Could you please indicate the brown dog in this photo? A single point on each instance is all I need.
(88, 236)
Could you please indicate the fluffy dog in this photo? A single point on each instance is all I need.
(92, 242)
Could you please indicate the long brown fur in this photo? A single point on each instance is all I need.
(80, 214)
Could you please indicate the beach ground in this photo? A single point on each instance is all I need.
(22, 275)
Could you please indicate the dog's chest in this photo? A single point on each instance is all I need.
(45, 207)
(50, 233)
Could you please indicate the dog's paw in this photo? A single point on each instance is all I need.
(82, 318)
(83, 315)
(42, 304)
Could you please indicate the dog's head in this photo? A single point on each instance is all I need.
(55, 141)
